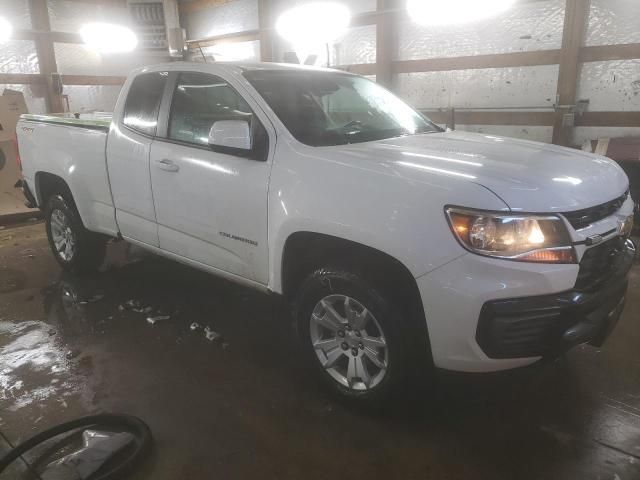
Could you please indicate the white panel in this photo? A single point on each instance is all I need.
(521, 87)
(582, 134)
(360, 6)
(614, 21)
(85, 98)
(73, 59)
(357, 45)
(18, 56)
(230, 17)
(70, 15)
(17, 12)
(233, 51)
(611, 86)
(527, 26)
(35, 102)
(535, 133)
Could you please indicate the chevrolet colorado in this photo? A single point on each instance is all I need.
(401, 247)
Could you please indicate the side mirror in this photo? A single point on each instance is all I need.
(230, 136)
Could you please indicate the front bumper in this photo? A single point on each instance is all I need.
(550, 324)
(479, 310)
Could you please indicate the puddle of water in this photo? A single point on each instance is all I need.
(34, 368)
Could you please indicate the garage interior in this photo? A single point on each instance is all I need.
(219, 382)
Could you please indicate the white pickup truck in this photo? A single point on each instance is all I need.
(401, 247)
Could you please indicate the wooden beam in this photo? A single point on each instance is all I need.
(576, 17)
(194, 6)
(501, 60)
(533, 118)
(92, 80)
(21, 78)
(608, 119)
(359, 69)
(480, 117)
(246, 36)
(46, 54)
(56, 37)
(601, 53)
(264, 24)
(363, 19)
(385, 44)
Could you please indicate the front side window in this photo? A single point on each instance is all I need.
(199, 101)
(325, 108)
(143, 102)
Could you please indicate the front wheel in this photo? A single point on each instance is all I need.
(75, 248)
(352, 335)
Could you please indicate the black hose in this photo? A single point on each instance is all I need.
(131, 424)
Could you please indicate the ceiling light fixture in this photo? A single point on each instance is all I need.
(108, 38)
(313, 23)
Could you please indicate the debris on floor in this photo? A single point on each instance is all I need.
(210, 334)
(157, 318)
(72, 354)
(195, 326)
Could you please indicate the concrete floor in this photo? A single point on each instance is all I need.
(243, 406)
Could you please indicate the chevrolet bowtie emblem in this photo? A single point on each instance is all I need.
(593, 240)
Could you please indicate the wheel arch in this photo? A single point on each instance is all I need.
(304, 252)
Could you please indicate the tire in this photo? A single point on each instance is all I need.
(78, 249)
(333, 363)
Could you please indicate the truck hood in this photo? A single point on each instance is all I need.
(527, 176)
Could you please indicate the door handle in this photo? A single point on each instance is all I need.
(167, 165)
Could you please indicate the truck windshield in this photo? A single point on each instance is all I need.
(325, 108)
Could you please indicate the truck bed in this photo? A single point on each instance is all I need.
(72, 148)
(94, 121)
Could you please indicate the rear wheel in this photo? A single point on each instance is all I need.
(353, 336)
(75, 248)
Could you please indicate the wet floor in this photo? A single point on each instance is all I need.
(242, 404)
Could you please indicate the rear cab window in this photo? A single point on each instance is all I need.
(143, 102)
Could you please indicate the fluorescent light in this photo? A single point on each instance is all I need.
(450, 12)
(108, 38)
(5, 29)
(313, 23)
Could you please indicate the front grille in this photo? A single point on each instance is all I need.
(583, 218)
(599, 263)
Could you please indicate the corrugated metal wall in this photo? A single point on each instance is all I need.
(527, 27)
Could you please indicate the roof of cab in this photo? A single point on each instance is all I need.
(239, 66)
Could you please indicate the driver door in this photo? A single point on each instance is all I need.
(211, 207)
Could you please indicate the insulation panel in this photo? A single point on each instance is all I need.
(611, 86)
(19, 56)
(613, 22)
(518, 87)
(230, 17)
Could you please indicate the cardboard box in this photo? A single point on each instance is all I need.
(12, 105)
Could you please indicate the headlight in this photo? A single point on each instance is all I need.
(524, 238)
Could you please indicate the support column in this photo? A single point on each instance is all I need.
(265, 26)
(46, 53)
(385, 42)
(576, 19)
